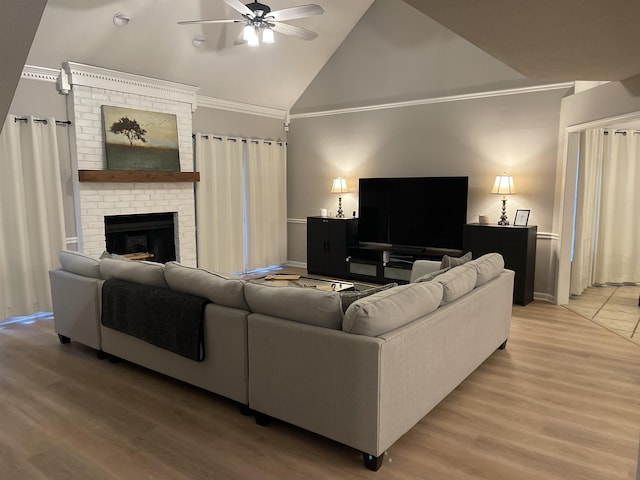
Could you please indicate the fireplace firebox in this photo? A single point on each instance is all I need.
(152, 234)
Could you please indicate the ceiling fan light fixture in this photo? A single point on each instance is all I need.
(267, 36)
(247, 32)
(252, 39)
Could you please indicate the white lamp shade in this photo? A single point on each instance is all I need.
(339, 185)
(267, 36)
(503, 185)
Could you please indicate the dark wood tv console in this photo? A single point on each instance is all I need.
(384, 264)
(333, 250)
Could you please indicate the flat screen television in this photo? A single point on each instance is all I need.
(413, 211)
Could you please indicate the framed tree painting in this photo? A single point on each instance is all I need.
(140, 140)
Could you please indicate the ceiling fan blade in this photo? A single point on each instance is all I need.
(239, 6)
(192, 22)
(296, 12)
(299, 32)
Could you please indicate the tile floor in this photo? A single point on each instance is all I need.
(614, 307)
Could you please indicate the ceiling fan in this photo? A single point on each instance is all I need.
(260, 21)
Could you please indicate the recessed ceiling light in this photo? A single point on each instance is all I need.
(198, 40)
(121, 19)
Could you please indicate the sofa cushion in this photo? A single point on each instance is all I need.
(145, 273)
(427, 277)
(80, 264)
(448, 261)
(488, 266)
(347, 298)
(392, 308)
(457, 282)
(196, 281)
(304, 305)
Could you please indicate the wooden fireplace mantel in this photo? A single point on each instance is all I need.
(137, 176)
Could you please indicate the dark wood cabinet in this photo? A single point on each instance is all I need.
(517, 245)
(327, 242)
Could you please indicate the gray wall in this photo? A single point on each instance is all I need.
(234, 124)
(40, 99)
(393, 56)
(18, 25)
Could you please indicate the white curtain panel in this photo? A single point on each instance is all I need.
(617, 256)
(586, 211)
(266, 203)
(220, 203)
(31, 217)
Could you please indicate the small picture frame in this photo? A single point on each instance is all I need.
(522, 218)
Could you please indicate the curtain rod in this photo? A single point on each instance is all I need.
(243, 140)
(622, 132)
(41, 120)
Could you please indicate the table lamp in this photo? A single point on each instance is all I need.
(339, 186)
(503, 186)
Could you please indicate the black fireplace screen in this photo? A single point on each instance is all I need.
(147, 233)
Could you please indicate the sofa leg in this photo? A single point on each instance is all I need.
(372, 462)
(503, 345)
(245, 410)
(262, 419)
(63, 339)
(101, 354)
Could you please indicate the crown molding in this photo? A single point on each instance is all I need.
(98, 77)
(428, 101)
(239, 107)
(31, 72)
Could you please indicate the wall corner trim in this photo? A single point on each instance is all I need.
(98, 77)
(239, 107)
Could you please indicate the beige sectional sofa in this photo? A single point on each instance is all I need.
(362, 377)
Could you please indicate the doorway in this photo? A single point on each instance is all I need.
(569, 184)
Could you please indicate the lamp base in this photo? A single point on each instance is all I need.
(503, 217)
(340, 213)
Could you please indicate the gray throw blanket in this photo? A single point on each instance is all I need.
(159, 316)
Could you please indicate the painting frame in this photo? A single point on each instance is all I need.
(140, 139)
(522, 218)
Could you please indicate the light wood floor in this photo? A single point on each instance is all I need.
(561, 402)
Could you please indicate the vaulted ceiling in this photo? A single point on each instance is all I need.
(153, 44)
(542, 39)
(548, 39)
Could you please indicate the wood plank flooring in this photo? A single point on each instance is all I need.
(561, 402)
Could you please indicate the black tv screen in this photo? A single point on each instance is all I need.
(413, 211)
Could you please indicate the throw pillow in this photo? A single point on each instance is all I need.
(347, 298)
(448, 261)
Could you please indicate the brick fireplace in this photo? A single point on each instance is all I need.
(91, 87)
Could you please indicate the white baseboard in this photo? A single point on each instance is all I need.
(544, 297)
(291, 263)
